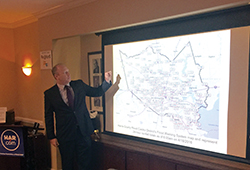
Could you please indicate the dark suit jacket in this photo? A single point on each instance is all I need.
(67, 119)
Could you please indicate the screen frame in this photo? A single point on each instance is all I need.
(211, 21)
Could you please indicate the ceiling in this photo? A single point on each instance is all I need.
(15, 13)
(18, 12)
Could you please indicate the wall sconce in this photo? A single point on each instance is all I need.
(27, 70)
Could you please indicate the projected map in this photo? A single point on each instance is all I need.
(174, 89)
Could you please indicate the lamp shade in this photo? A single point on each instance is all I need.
(27, 70)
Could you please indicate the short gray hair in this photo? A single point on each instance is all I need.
(54, 69)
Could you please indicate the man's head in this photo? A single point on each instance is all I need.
(61, 74)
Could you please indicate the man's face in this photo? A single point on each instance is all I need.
(62, 75)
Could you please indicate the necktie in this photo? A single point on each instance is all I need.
(70, 97)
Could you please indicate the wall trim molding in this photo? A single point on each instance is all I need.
(47, 12)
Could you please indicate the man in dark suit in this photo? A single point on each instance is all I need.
(73, 123)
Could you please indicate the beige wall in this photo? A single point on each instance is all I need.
(68, 51)
(8, 84)
(109, 14)
(7, 69)
(25, 94)
(7, 51)
(29, 96)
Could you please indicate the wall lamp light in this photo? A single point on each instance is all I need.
(27, 70)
